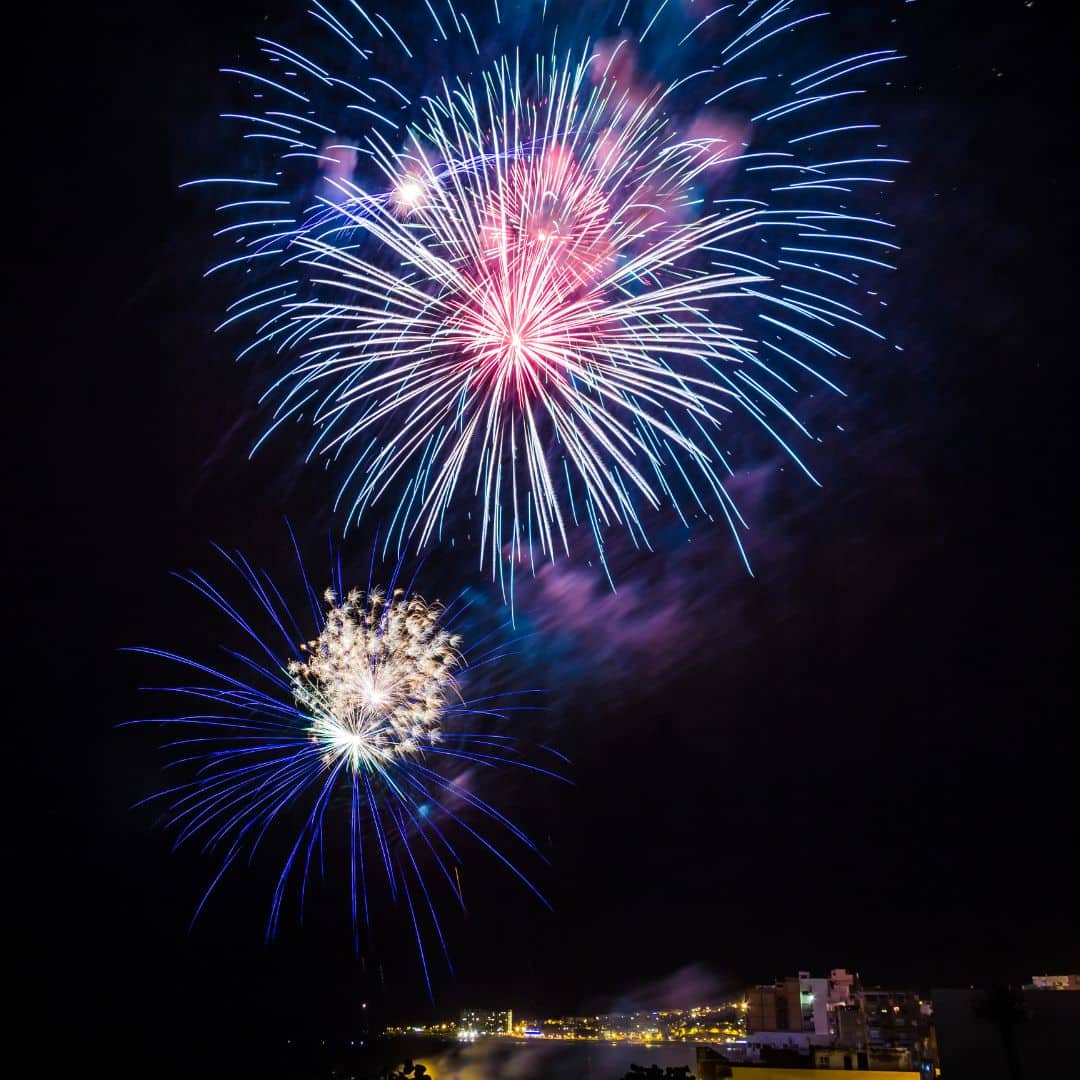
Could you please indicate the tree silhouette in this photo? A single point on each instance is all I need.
(1004, 1007)
(406, 1071)
(654, 1072)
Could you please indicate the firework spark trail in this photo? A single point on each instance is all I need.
(525, 302)
(368, 709)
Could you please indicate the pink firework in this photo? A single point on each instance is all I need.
(538, 336)
(519, 305)
(549, 210)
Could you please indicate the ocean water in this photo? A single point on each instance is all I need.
(535, 1059)
(509, 1059)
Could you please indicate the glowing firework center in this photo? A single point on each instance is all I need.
(546, 284)
(535, 231)
(377, 679)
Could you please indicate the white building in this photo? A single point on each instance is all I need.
(814, 1004)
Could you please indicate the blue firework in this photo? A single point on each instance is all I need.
(352, 729)
(520, 287)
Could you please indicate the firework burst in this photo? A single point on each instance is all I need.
(378, 678)
(347, 733)
(538, 290)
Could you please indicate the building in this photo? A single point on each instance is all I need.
(841, 1058)
(848, 1025)
(842, 983)
(767, 1010)
(796, 1004)
(1055, 982)
(894, 1018)
(476, 1022)
(710, 1064)
(812, 1018)
(814, 1004)
(897, 1026)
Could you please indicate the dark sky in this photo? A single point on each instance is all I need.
(862, 757)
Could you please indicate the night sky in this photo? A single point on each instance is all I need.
(860, 757)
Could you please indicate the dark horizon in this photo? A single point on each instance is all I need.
(859, 757)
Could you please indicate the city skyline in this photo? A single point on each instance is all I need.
(832, 1022)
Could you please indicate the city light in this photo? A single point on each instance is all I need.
(722, 1023)
(822, 1022)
